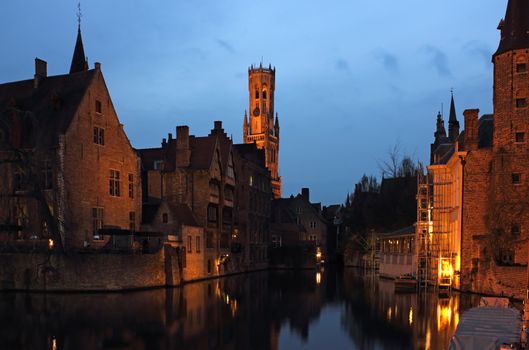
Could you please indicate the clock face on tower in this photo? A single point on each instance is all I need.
(256, 111)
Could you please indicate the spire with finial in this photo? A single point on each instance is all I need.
(79, 62)
(453, 123)
(440, 132)
(515, 27)
(245, 124)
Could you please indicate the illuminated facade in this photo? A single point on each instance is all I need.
(260, 127)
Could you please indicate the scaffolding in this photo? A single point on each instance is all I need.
(435, 256)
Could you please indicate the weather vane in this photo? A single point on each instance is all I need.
(79, 14)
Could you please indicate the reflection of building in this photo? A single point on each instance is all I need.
(70, 167)
(397, 253)
(261, 128)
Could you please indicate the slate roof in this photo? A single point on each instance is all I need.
(50, 107)
(515, 27)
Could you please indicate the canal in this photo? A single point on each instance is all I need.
(266, 310)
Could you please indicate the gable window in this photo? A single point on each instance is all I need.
(131, 186)
(521, 103)
(521, 68)
(132, 221)
(165, 218)
(520, 137)
(99, 136)
(516, 178)
(99, 108)
(97, 222)
(114, 183)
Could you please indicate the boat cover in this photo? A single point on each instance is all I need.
(487, 328)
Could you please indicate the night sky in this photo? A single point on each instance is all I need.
(354, 77)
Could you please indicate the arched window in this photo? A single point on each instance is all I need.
(264, 94)
(256, 94)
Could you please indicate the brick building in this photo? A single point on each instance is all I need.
(254, 197)
(70, 169)
(261, 128)
(197, 174)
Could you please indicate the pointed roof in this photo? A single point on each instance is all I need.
(453, 116)
(515, 27)
(79, 63)
(440, 130)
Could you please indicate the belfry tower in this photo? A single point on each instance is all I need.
(261, 127)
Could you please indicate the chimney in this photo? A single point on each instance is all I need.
(471, 129)
(97, 65)
(183, 151)
(305, 194)
(218, 125)
(41, 71)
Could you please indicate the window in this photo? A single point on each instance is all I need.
(99, 136)
(516, 178)
(98, 107)
(520, 137)
(521, 68)
(19, 183)
(165, 218)
(132, 221)
(97, 222)
(520, 103)
(256, 94)
(264, 94)
(46, 175)
(198, 244)
(189, 244)
(158, 164)
(228, 193)
(251, 181)
(276, 241)
(515, 230)
(212, 213)
(131, 186)
(227, 215)
(114, 183)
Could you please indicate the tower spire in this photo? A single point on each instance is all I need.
(515, 27)
(79, 62)
(453, 123)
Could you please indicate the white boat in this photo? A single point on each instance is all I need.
(492, 325)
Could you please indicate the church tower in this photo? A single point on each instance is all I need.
(260, 126)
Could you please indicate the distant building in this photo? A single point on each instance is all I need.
(397, 252)
(196, 175)
(67, 166)
(298, 223)
(261, 128)
(254, 197)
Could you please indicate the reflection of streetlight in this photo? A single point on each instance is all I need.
(318, 277)
(410, 316)
(50, 244)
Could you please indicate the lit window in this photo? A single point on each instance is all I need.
(521, 103)
(251, 180)
(98, 107)
(520, 137)
(97, 222)
(521, 68)
(516, 178)
(131, 186)
(114, 183)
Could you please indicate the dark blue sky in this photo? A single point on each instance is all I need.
(354, 77)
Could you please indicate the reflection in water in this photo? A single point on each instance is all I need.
(269, 311)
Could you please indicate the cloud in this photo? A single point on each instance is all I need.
(342, 65)
(438, 60)
(225, 45)
(480, 49)
(388, 60)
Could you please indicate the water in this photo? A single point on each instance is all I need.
(266, 310)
